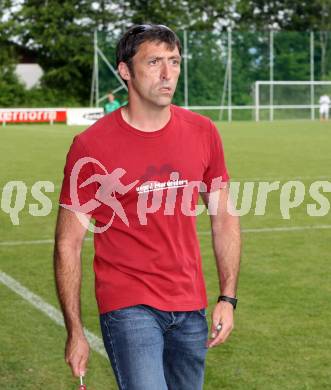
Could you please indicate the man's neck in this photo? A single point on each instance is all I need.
(146, 117)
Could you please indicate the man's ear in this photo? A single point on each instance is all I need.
(124, 71)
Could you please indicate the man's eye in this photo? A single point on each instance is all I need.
(175, 62)
(153, 62)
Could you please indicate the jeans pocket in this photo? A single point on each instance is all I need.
(202, 312)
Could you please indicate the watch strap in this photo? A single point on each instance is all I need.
(231, 300)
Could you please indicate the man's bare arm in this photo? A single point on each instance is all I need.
(226, 245)
(69, 238)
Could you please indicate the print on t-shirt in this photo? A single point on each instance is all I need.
(165, 177)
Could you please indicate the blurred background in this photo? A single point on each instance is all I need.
(61, 53)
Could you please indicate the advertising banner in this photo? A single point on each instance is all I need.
(32, 115)
(83, 116)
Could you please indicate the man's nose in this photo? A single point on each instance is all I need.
(165, 71)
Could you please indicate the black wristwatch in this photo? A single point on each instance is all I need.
(231, 300)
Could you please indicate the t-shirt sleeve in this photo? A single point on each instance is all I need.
(216, 167)
(78, 168)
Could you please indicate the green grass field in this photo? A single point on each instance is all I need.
(281, 338)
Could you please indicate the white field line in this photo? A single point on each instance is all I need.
(278, 229)
(54, 314)
(200, 233)
(32, 242)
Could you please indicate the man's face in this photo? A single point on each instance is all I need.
(156, 71)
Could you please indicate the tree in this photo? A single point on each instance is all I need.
(12, 90)
(195, 15)
(61, 33)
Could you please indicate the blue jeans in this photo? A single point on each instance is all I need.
(151, 349)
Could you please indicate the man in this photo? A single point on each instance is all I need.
(112, 104)
(139, 176)
(324, 107)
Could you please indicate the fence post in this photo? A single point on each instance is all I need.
(96, 61)
(271, 65)
(312, 77)
(185, 70)
(230, 75)
(257, 102)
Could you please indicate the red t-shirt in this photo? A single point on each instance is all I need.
(144, 188)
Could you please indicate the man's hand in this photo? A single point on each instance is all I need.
(222, 314)
(76, 354)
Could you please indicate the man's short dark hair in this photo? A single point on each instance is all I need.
(128, 45)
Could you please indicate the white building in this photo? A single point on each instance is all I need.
(29, 74)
